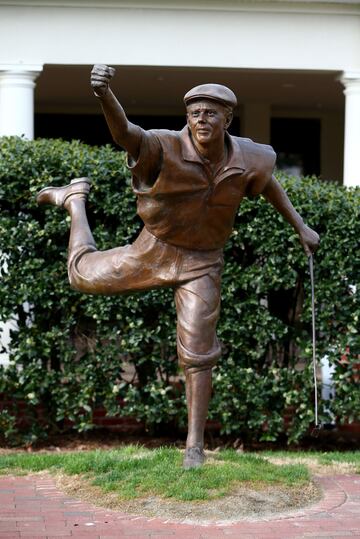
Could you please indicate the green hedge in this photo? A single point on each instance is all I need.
(69, 350)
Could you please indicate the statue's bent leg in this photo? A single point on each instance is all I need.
(142, 265)
(198, 309)
(72, 197)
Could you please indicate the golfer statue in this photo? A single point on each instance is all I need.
(188, 185)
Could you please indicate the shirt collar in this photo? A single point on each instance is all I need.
(189, 153)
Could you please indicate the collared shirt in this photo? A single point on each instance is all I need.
(179, 198)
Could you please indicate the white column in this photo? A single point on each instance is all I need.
(17, 84)
(255, 122)
(351, 82)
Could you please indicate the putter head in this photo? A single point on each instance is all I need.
(316, 430)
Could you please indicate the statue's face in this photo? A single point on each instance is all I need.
(207, 121)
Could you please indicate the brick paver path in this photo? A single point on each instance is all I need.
(34, 508)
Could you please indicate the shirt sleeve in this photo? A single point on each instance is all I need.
(146, 168)
(262, 171)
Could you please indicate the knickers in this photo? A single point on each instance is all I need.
(151, 263)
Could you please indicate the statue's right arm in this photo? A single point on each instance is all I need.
(124, 133)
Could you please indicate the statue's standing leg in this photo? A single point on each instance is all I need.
(198, 393)
(198, 308)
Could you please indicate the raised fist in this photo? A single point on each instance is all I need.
(100, 79)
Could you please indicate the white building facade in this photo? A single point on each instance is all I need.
(283, 59)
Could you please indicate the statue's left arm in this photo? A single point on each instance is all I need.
(276, 195)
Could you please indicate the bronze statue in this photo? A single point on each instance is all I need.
(189, 185)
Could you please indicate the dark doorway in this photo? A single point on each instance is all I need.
(92, 128)
(297, 144)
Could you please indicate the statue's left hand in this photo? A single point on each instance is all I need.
(309, 240)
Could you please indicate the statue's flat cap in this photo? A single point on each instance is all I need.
(215, 92)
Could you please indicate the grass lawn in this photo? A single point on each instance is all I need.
(134, 471)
